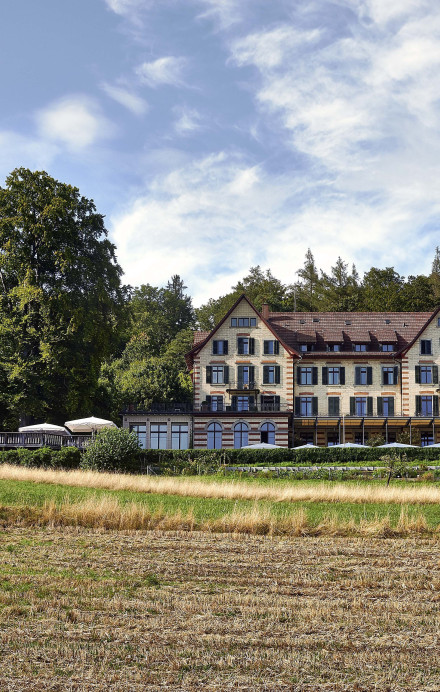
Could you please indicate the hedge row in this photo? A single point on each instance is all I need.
(65, 458)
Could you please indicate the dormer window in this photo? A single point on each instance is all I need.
(333, 347)
(305, 347)
(359, 347)
(387, 347)
(243, 321)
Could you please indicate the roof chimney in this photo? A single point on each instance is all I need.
(265, 311)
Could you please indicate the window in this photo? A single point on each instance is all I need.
(333, 347)
(425, 347)
(360, 347)
(267, 433)
(271, 348)
(243, 321)
(385, 406)
(307, 375)
(179, 436)
(389, 375)
(245, 376)
(360, 439)
(271, 374)
(438, 321)
(242, 403)
(305, 347)
(214, 436)
(333, 376)
(426, 438)
(140, 430)
(332, 439)
(363, 375)
(270, 403)
(307, 438)
(217, 374)
(387, 347)
(245, 346)
(158, 435)
(360, 406)
(220, 348)
(333, 406)
(426, 405)
(426, 374)
(241, 435)
(215, 403)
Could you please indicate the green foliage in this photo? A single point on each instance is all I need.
(113, 449)
(65, 458)
(60, 297)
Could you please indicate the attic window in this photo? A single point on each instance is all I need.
(387, 321)
(347, 321)
(316, 319)
(405, 324)
(302, 321)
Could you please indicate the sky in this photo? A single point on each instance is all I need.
(216, 135)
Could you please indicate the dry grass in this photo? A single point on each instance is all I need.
(84, 610)
(233, 490)
(108, 513)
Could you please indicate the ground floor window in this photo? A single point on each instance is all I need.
(332, 439)
(158, 435)
(267, 433)
(241, 435)
(360, 438)
(214, 436)
(140, 430)
(307, 438)
(179, 436)
(426, 438)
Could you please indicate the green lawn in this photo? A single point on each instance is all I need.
(13, 493)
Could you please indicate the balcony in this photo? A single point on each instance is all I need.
(167, 407)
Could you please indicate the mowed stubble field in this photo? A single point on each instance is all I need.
(87, 609)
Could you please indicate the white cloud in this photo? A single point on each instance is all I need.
(126, 7)
(225, 12)
(75, 121)
(128, 99)
(167, 70)
(188, 120)
(18, 150)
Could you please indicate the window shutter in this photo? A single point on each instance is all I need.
(417, 374)
(333, 406)
(435, 405)
(240, 346)
(324, 375)
(297, 406)
(234, 403)
(277, 403)
(369, 405)
(251, 347)
(214, 348)
(298, 375)
(240, 376)
(391, 406)
(208, 401)
(383, 376)
(226, 374)
(265, 374)
(225, 347)
(314, 375)
(266, 348)
(435, 374)
(352, 406)
(251, 374)
(342, 375)
(369, 375)
(357, 375)
(251, 403)
(396, 375)
(277, 374)
(418, 405)
(208, 374)
(379, 406)
(276, 347)
(315, 405)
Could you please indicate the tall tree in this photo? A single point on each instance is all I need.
(306, 294)
(381, 290)
(341, 292)
(435, 276)
(60, 296)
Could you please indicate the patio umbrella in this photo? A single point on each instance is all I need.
(436, 445)
(262, 445)
(309, 446)
(47, 428)
(87, 425)
(395, 445)
(349, 444)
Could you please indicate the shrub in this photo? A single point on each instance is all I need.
(113, 449)
(66, 458)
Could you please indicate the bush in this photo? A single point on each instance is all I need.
(113, 449)
(66, 458)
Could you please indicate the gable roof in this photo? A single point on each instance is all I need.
(421, 330)
(200, 340)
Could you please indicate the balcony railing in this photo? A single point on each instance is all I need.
(12, 440)
(168, 407)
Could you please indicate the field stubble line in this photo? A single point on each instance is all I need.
(233, 490)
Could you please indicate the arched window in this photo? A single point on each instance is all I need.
(214, 436)
(241, 435)
(267, 433)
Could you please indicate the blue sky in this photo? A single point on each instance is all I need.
(219, 134)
